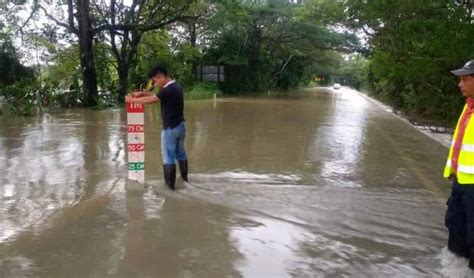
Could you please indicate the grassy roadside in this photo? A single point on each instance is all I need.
(204, 90)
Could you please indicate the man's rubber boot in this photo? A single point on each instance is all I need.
(183, 169)
(169, 171)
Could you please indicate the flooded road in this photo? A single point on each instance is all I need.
(317, 183)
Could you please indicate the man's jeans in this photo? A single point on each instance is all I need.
(172, 144)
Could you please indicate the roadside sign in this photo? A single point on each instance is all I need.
(210, 73)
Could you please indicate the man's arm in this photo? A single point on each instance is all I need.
(138, 94)
(149, 98)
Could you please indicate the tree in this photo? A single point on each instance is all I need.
(122, 24)
(78, 22)
(414, 46)
(275, 44)
(11, 69)
(127, 25)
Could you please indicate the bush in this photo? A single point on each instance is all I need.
(28, 97)
(205, 90)
(22, 97)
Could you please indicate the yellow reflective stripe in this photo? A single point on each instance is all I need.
(465, 178)
(466, 158)
(448, 163)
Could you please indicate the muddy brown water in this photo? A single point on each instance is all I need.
(315, 183)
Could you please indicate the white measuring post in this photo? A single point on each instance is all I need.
(136, 141)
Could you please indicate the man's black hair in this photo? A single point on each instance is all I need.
(157, 70)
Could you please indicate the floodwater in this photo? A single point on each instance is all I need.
(317, 183)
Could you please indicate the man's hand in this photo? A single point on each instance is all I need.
(144, 99)
(137, 94)
(128, 99)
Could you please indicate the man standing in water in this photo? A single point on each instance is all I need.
(171, 98)
(460, 167)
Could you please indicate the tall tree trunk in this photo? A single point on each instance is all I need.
(87, 53)
(122, 70)
(255, 38)
(126, 58)
(192, 32)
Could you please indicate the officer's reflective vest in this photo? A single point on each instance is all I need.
(465, 171)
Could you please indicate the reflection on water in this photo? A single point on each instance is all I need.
(268, 247)
(315, 183)
(339, 139)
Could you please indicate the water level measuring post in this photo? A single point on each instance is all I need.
(136, 141)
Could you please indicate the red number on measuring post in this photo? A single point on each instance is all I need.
(136, 147)
(136, 128)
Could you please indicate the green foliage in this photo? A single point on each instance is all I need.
(353, 71)
(414, 45)
(203, 90)
(107, 78)
(105, 100)
(276, 45)
(152, 51)
(11, 70)
(183, 67)
(64, 70)
(28, 97)
(64, 75)
(179, 60)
